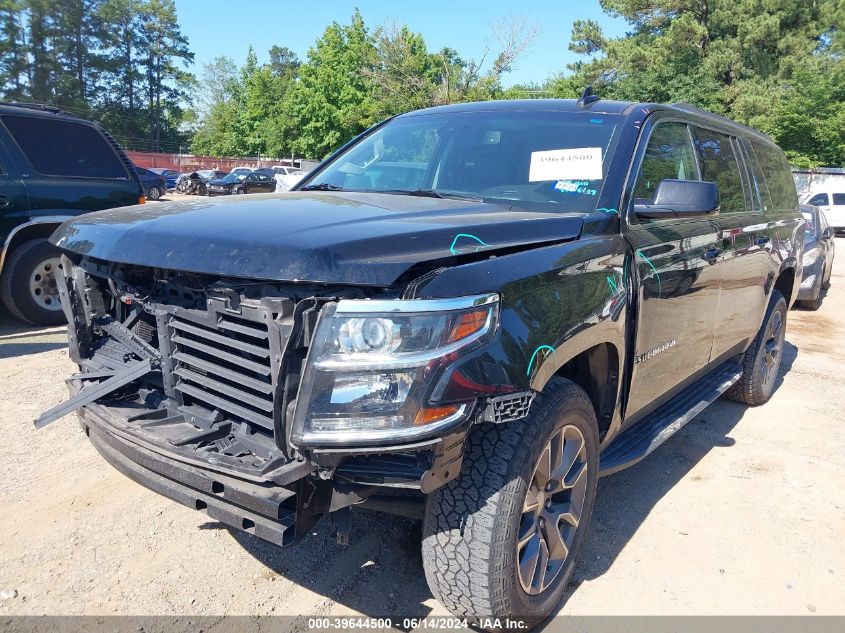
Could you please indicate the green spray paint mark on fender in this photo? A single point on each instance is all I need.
(481, 243)
(606, 210)
(534, 355)
(656, 274)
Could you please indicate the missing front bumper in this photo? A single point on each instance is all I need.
(268, 511)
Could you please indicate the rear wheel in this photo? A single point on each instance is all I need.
(763, 358)
(502, 538)
(826, 281)
(154, 193)
(28, 286)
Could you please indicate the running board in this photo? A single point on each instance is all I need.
(634, 443)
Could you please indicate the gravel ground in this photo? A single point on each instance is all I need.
(742, 512)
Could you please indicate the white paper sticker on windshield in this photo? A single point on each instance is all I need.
(580, 163)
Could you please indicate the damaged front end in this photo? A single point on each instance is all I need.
(207, 390)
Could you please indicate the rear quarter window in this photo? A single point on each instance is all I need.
(55, 147)
(778, 175)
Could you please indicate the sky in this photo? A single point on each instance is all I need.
(228, 27)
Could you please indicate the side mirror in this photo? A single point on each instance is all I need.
(827, 234)
(680, 198)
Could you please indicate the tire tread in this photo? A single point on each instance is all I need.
(463, 547)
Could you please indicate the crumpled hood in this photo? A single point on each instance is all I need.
(332, 237)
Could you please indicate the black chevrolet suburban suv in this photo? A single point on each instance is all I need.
(53, 166)
(468, 314)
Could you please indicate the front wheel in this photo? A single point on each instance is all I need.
(501, 540)
(29, 287)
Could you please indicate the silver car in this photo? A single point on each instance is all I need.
(819, 249)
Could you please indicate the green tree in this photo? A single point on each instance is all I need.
(737, 57)
(165, 47)
(121, 41)
(333, 99)
(405, 75)
(12, 50)
(809, 118)
(43, 66)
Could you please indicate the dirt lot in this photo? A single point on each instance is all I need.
(742, 512)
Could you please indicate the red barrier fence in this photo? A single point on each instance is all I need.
(186, 162)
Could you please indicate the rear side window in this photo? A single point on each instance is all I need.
(719, 165)
(778, 176)
(64, 148)
(818, 200)
(839, 199)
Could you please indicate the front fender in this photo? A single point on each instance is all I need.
(40, 226)
(556, 302)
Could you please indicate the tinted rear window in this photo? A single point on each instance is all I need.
(718, 164)
(778, 176)
(64, 148)
(839, 199)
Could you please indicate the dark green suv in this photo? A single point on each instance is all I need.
(53, 166)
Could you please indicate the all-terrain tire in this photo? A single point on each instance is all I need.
(471, 524)
(751, 388)
(14, 286)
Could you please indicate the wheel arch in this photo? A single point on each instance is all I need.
(36, 228)
(593, 364)
(785, 283)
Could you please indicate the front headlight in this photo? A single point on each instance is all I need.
(810, 256)
(371, 366)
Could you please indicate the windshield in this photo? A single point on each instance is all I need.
(546, 160)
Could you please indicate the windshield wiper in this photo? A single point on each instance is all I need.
(323, 186)
(431, 193)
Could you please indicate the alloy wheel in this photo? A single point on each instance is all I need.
(773, 347)
(552, 510)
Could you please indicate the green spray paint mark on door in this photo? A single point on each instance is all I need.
(656, 274)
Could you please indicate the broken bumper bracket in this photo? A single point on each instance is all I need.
(93, 392)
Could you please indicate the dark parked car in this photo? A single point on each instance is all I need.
(254, 182)
(170, 175)
(468, 314)
(819, 250)
(242, 171)
(155, 185)
(53, 166)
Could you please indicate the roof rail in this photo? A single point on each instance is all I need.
(587, 97)
(41, 107)
(686, 107)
